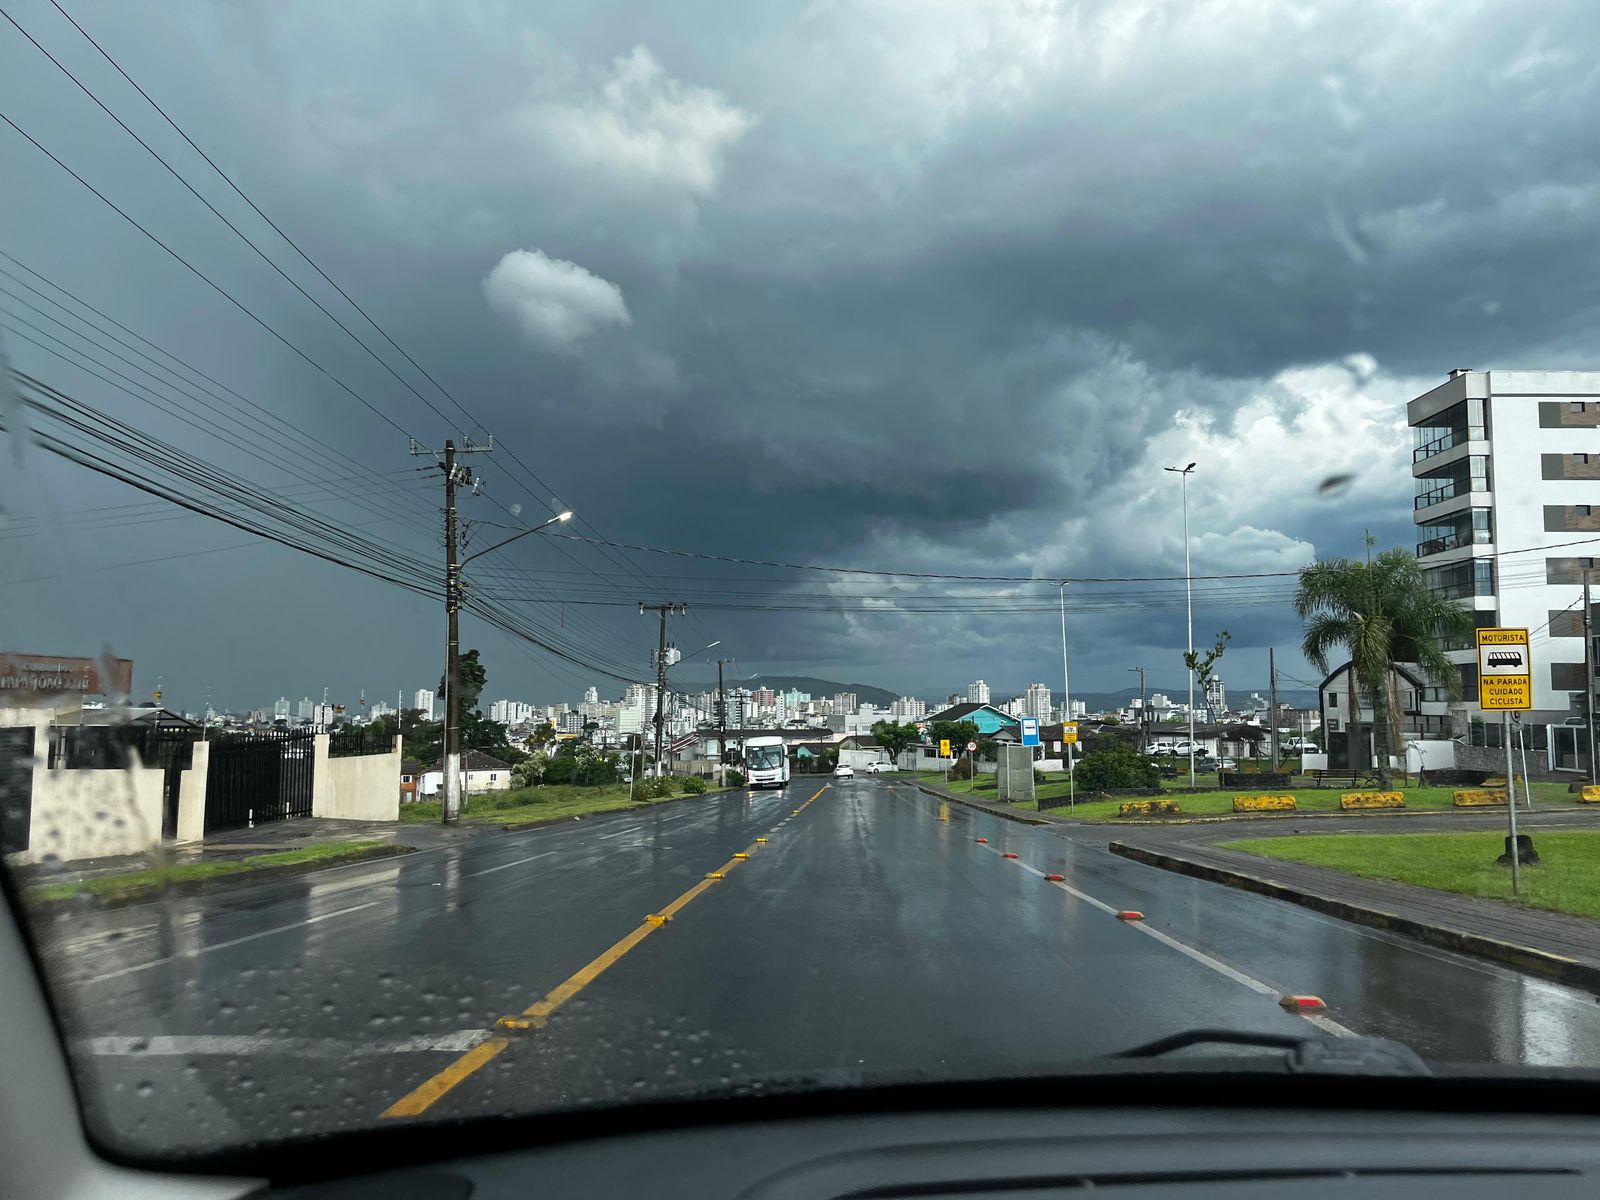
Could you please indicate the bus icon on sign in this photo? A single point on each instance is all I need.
(1503, 658)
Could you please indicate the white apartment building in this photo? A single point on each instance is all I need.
(280, 709)
(1216, 697)
(424, 699)
(1507, 508)
(512, 712)
(977, 692)
(638, 709)
(1038, 703)
(305, 709)
(908, 708)
(592, 696)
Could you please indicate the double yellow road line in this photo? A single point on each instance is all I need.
(426, 1094)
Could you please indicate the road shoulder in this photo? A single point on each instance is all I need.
(1548, 944)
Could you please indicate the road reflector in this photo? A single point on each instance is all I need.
(761, 841)
(741, 854)
(1297, 1003)
(716, 875)
(656, 919)
(796, 812)
(1130, 914)
(1008, 854)
(518, 1024)
(982, 841)
(1055, 878)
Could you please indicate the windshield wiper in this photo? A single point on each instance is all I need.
(1318, 1055)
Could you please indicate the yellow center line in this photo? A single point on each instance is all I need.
(423, 1097)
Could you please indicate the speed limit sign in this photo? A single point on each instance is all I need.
(971, 746)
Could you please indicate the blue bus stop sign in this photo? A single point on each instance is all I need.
(1030, 731)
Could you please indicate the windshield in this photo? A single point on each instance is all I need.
(437, 443)
(765, 758)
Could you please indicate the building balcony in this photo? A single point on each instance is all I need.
(1457, 541)
(1450, 498)
(1454, 439)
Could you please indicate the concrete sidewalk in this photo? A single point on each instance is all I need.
(232, 844)
(1554, 945)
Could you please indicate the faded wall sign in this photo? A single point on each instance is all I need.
(35, 676)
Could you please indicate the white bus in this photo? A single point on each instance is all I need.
(766, 762)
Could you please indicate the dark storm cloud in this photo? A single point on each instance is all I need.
(929, 287)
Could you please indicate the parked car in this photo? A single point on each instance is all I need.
(1227, 764)
(1163, 748)
(844, 772)
(1296, 746)
(879, 768)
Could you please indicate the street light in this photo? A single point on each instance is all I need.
(452, 682)
(559, 517)
(1188, 593)
(1066, 704)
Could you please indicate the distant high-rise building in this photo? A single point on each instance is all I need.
(794, 698)
(424, 700)
(280, 709)
(511, 712)
(844, 703)
(1080, 708)
(592, 696)
(1038, 702)
(570, 722)
(977, 692)
(908, 708)
(305, 710)
(1216, 696)
(637, 711)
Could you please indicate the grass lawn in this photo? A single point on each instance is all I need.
(1215, 803)
(1567, 879)
(114, 886)
(554, 802)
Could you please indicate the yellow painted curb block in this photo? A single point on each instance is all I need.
(1351, 800)
(1148, 808)
(1589, 795)
(1477, 798)
(1263, 804)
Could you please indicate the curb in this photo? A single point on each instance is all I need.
(977, 806)
(1352, 813)
(1523, 958)
(636, 806)
(195, 887)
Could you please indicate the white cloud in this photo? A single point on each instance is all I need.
(554, 303)
(643, 123)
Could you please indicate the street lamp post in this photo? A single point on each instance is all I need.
(452, 670)
(1066, 703)
(1142, 731)
(1188, 593)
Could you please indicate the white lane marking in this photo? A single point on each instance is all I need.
(505, 866)
(238, 941)
(170, 1046)
(1255, 985)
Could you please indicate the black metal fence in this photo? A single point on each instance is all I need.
(347, 743)
(16, 788)
(259, 777)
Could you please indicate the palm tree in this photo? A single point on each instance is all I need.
(1381, 612)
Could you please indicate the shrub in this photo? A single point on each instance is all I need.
(693, 785)
(960, 769)
(652, 788)
(1116, 765)
(735, 777)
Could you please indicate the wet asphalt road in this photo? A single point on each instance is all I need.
(866, 939)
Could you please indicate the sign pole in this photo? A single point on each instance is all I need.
(1511, 805)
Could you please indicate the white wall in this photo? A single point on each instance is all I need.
(192, 795)
(362, 787)
(93, 814)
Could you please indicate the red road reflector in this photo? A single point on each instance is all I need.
(983, 841)
(1296, 1003)
(1055, 878)
(1130, 914)
(1008, 854)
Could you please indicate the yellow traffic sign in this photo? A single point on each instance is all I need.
(944, 747)
(1505, 670)
(1069, 733)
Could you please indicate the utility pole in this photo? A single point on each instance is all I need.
(1272, 694)
(1588, 673)
(453, 477)
(661, 667)
(1143, 724)
(722, 723)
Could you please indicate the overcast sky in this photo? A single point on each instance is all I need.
(901, 286)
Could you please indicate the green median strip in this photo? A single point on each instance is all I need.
(119, 886)
(1566, 880)
(538, 804)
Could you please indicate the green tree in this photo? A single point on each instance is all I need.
(1204, 665)
(473, 680)
(958, 732)
(1380, 612)
(895, 738)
